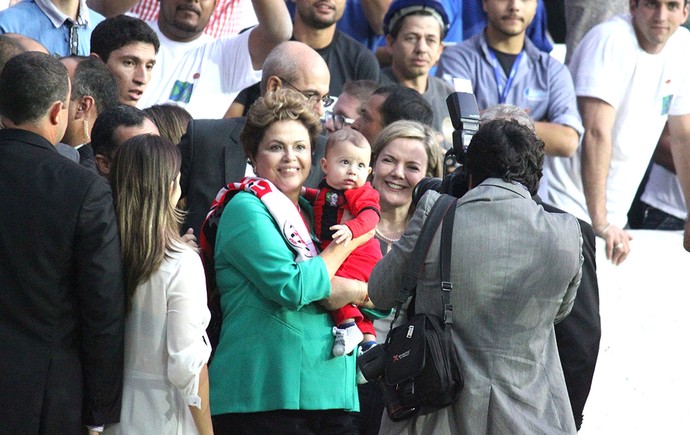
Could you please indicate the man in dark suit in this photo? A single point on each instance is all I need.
(94, 90)
(212, 154)
(112, 128)
(61, 291)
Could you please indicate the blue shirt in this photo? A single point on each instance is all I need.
(453, 9)
(42, 21)
(355, 24)
(474, 21)
(542, 85)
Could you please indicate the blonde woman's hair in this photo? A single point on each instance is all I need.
(141, 175)
(411, 130)
(281, 105)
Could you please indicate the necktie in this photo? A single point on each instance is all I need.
(73, 37)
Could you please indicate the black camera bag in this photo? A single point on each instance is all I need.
(422, 367)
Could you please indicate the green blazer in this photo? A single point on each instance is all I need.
(275, 343)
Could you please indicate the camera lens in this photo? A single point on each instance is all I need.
(426, 183)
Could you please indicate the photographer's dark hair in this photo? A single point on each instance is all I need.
(503, 148)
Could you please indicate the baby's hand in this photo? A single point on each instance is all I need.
(189, 239)
(342, 234)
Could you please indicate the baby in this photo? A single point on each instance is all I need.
(345, 207)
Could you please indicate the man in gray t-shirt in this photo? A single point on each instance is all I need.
(414, 35)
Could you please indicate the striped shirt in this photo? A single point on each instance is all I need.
(228, 19)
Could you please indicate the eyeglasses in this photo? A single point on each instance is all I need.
(339, 121)
(313, 97)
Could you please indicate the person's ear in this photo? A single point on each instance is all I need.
(251, 162)
(369, 169)
(86, 103)
(273, 84)
(389, 40)
(96, 55)
(55, 112)
(441, 47)
(324, 166)
(102, 164)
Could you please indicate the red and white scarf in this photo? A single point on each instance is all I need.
(281, 208)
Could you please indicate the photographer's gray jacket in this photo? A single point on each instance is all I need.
(515, 270)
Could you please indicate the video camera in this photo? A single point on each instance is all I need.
(464, 114)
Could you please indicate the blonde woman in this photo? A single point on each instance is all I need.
(166, 380)
(402, 154)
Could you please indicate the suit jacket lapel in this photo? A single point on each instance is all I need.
(233, 154)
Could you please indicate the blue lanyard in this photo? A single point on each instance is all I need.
(503, 92)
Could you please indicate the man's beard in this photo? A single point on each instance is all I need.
(186, 27)
(312, 20)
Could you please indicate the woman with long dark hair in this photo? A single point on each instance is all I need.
(166, 348)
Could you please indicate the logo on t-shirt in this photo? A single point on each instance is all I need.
(181, 91)
(535, 94)
(332, 199)
(666, 104)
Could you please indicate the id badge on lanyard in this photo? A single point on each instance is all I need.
(503, 90)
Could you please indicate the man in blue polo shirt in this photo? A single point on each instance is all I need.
(64, 28)
(503, 66)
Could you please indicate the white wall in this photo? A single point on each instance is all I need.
(642, 380)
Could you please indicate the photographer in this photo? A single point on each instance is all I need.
(515, 269)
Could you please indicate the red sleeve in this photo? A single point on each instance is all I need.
(310, 194)
(363, 203)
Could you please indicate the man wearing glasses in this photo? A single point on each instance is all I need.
(346, 108)
(63, 27)
(212, 154)
(313, 97)
(315, 25)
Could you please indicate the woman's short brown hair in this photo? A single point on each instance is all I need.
(281, 105)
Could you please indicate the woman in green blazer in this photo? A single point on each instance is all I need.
(273, 370)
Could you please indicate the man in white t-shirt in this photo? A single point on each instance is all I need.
(631, 75)
(662, 203)
(204, 75)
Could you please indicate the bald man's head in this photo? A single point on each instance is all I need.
(27, 43)
(298, 66)
(9, 47)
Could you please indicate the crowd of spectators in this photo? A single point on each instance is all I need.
(159, 272)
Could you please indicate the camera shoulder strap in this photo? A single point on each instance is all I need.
(416, 262)
(445, 255)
